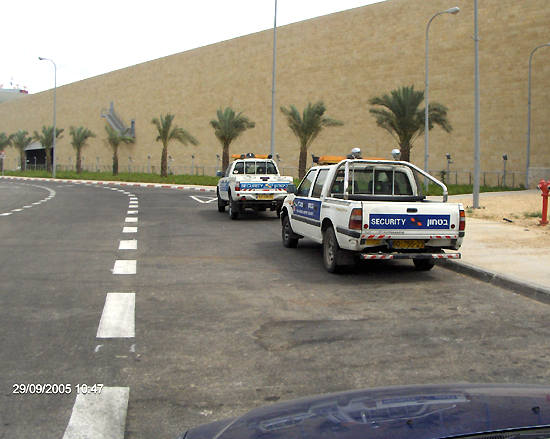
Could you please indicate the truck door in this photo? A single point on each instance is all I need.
(307, 204)
(223, 184)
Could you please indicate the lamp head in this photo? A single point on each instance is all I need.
(453, 11)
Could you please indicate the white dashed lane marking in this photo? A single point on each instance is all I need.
(132, 219)
(118, 318)
(130, 244)
(129, 230)
(49, 197)
(101, 416)
(125, 267)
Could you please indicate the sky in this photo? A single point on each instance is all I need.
(87, 39)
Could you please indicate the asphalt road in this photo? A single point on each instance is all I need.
(226, 318)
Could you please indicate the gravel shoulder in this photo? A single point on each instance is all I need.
(516, 210)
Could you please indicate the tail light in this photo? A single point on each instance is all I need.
(356, 219)
(237, 185)
(462, 224)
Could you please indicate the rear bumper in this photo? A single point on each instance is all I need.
(370, 256)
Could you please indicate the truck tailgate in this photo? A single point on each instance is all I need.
(411, 220)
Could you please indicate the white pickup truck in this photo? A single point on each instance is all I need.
(254, 183)
(372, 209)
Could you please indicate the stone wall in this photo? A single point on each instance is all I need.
(343, 59)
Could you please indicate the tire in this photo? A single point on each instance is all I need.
(288, 233)
(221, 204)
(330, 251)
(233, 209)
(423, 264)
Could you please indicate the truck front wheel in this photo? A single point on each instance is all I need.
(221, 203)
(289, 239)
(330, 251)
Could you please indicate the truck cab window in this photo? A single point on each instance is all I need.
(319, 183)
(239, 168)
(307, 182)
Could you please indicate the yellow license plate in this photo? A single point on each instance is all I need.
(407, 243)
(264, 197)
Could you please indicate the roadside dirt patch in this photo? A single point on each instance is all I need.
(516, 209)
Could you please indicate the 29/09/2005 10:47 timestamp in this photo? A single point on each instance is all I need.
(56, 389)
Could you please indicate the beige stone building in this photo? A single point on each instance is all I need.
(343, 59)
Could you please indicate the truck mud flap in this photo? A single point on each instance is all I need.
(345, 257)
(371, 256)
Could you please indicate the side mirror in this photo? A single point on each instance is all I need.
(219, 174)
(291, 189)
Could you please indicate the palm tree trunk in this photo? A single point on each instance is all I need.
(302, 163)
(115, 162)
(78, 162)
(164, 162)
(23, 160)
(405, 152)
(48, 160)
(225, 157)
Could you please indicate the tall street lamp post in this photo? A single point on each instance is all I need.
(453, 11)
(272, 149)
(54, 103)
(529, 119)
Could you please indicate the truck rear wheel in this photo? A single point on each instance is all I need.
(330, 251)
(288, 234)
(423, 264)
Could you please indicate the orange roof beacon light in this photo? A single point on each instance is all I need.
(250, 155)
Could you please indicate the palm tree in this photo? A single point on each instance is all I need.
(46, 140)
(80, 136)
(167, 134)
(115, 138)
(21, 141)
(306, 128)
(227, 128)
(404, 120)
(5, 141)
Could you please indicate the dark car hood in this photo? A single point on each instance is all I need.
(435, 411)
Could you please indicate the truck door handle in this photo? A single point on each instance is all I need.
(412, 210)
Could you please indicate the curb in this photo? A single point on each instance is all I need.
(519, 286)
(115, 183)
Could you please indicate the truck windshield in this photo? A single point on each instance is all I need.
(370, 180)
(259, 167)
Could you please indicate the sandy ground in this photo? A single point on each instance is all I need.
(515, 207)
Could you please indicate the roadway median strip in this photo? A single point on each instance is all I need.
(100, 415)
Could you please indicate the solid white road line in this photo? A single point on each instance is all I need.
(129, 230)
(118, 318)
(130, 244)
(99, 416)
(125, 267)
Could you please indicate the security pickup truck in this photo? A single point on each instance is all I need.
(251, 183)
(372, 209)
